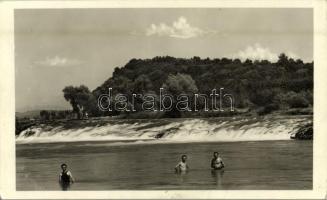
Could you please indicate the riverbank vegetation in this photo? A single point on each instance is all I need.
(258, 87)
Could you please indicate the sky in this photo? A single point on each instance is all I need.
(55, 48)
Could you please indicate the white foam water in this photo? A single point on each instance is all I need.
(180, 130)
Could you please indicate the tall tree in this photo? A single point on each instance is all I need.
(79, 98)
(177, 85)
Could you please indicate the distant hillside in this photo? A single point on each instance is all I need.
(259, 86)
(28, 114)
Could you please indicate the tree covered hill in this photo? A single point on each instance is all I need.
(255, 85)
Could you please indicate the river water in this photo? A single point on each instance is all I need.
(114, 165)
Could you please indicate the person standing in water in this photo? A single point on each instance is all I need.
(182, 165)
(217, 161)
(65, 178)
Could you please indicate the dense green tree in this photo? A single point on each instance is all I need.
(80, 98)
(177, 85)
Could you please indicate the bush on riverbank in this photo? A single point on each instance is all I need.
(304, 133)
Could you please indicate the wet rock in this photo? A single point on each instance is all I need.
(304, 133)
(159, 135)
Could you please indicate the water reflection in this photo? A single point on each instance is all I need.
(182, 176)
(64, 186)
(217, 175)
